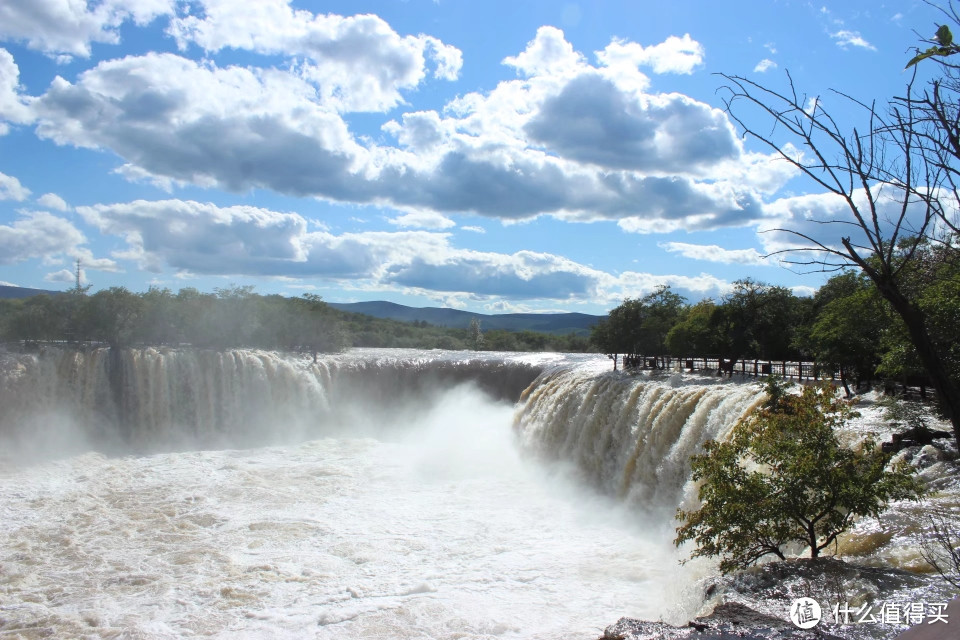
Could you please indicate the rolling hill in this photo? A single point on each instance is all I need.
(558, 323)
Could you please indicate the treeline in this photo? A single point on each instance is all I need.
(847, 326)
(236, 317)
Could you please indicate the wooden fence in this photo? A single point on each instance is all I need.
(800, 370)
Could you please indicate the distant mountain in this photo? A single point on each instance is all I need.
(23, 292)
(558, 323)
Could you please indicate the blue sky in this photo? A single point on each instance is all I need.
(493, 156)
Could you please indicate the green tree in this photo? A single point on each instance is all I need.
(661, 310)
(620, 333)
(756, 320)
(847, 329)
(113, 315)
(159, 324)
(694, 332)
(639, 326)
(783, 477)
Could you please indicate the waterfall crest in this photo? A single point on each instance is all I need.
(631, 436)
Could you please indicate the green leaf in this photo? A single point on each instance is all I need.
(944, 36)
(932, 51)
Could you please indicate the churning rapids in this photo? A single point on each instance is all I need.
(374, 494)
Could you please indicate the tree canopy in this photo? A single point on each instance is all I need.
(783, 478)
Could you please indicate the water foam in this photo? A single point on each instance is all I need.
(444, 530)
(630, 435)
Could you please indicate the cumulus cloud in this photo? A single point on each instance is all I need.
(423, 220)
(420, 131)
(53, 201)
(846, 38)
(13, 106)
(592, 120)
(715, 253)
(548, 53)
(673, 55)
(826, 218)
(38, 235)
(765, 65)
(179, 120)
(571, 140)
(358, 63)
(521, 275)
(474, 229)
(11, 189)
(70, 26)
(201, 238)
(64, 276)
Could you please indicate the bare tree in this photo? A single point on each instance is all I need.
(940, 547)
(895, 185)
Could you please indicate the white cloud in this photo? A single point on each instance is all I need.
(13, 107)
(358, 63)
(548, 53)
(4, 283)
(11, 189)
(64, 276)
(474, 229)
(592, 120)
(715, 253)
(581, 144)
(38, 235)
(522, 275)
(673, 55)
(423, 220)
(236, 128)
(826, 218)
(765, 65)
(847, 38)
(203, 239)
(420, 131)
(504, 306)
(70, 26)
(633, 284)
(53, 201)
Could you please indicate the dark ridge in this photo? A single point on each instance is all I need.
(559, 323)
(8, 292)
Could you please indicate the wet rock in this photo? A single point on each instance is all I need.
(913, 437)
(728, 621)
(754, 604)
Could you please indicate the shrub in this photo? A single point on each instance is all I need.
(783, 477)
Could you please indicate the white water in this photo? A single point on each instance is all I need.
(405, 521)
(632, 436)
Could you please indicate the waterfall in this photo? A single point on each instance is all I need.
(370, 490)
(153, 399)
(631, 436)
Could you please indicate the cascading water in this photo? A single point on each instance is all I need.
(150, 399)
(373, 494)
(631, 436)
